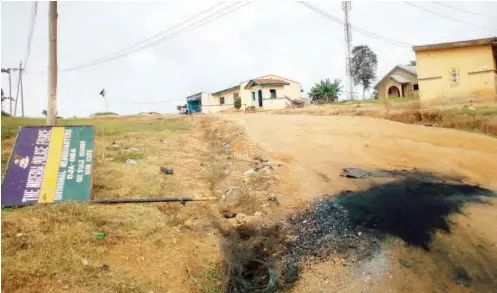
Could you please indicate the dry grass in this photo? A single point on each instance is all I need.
(149, 247)
(482, 119)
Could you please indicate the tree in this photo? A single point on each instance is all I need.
(326, 91)
(44, 113)
(363, 67)
(238, 103)
(412, 63)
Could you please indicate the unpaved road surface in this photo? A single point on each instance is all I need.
(327, 144)
(317, 148)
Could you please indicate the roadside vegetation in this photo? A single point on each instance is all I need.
(156, 247)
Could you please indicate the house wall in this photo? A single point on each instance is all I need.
(209, 103)
(229, 100)
(477, 74)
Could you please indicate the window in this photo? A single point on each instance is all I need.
(273, 94)
(415, 87)
(253, 96)
(235, 96)
(221, 101)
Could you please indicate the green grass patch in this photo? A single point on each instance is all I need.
(103, 114)
(393, 100)
(111, 125)
(208, 281)
(484, 111)
(121, 157)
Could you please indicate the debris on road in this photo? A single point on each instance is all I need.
(100, 235)
(127, 150)
(130, 162)
(359, 173)
(273, 198)
(105, 267)
(166, 170)
(249, 172)
(229, 215)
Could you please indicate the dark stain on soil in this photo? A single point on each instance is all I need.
(349, 224)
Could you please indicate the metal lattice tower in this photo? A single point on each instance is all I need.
(346, 7)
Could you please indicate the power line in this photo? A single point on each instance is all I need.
(463, 10)
(360, 30)
(190, 27)
(448, 17)
(154, 36)
(32, 22)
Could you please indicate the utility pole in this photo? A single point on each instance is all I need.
(19, 85)
(9, 97)
(52, 63)
(22, 89)
(346, 6)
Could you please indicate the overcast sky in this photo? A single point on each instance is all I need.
(265, 37)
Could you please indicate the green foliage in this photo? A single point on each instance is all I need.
(326, 91)
(103, 114)
(363, 67)
(5, 114)
(238, 103)
(412, 63)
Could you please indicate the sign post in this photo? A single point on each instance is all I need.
(49, 164)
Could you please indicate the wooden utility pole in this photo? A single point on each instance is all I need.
(52, 63)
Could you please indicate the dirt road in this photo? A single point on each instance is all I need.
(317, 148)
(327, 144)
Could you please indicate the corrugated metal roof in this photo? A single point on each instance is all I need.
(266, 81)
(226, 90)
(399, 78)
(409, 68)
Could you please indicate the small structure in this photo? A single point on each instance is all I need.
(267, 92)
(400, 82)
(457, 72)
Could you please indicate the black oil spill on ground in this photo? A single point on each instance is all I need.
(349, 224)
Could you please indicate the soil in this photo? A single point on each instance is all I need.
(318, 148)
(174, 248)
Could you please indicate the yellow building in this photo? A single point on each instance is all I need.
(267, 92)
(457, 72)
(400, 82)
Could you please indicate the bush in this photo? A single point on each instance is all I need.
(238, 103)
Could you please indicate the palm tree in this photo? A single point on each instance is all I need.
(326, 91)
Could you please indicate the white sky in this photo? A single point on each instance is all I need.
(265, 37)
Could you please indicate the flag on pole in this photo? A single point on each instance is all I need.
(102, 93)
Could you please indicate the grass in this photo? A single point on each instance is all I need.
(149, 247)
(483, 111)
(208, 280)
(111, 125)
(122, 157)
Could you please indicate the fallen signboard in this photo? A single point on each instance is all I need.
(49, 164)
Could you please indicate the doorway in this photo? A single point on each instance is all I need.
(260, 98)
(393, 92)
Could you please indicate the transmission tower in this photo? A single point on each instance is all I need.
(346, 7)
